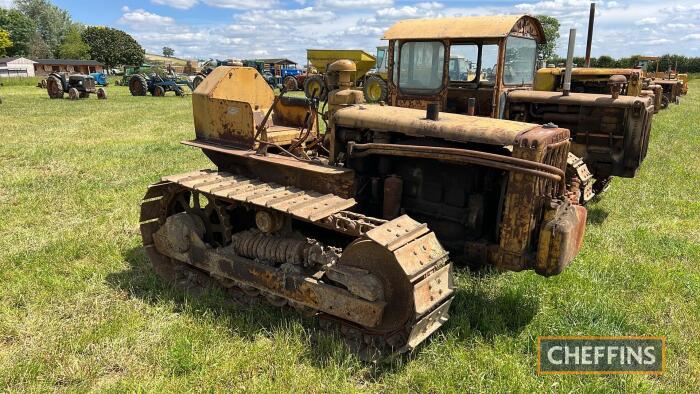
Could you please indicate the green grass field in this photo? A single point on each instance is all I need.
(81, 309)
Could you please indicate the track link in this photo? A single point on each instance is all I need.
(408, 255)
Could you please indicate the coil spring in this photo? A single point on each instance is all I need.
(255, 244)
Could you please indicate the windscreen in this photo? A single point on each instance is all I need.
(421, 67)
(521, 55)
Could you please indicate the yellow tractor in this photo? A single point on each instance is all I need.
(674, 85)
(597, 80)
(357, 225)
(374, 87)
(609, 132)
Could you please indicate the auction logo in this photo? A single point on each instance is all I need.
(601, 355)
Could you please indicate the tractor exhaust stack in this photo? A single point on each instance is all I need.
(569, 62)
(591, 20)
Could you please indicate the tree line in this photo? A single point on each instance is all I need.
(37, 29)
(683, 64)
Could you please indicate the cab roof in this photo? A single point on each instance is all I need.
(466, 27)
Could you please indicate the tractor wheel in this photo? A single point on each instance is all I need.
(54, 87)
(375, 89)
(315, 86)
(101, 94)
(665, 102)
(73, 94)
(197, 80)
(138, 86)
(291, 84)
(158, 91)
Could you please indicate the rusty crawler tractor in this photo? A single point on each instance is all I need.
(355, 225)
(609, 132)
(76, 85)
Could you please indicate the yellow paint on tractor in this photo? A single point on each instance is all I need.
(549, 79)
(458, 27)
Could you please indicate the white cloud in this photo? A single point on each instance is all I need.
(241, 4)
(659, 41)
(420, 10)
(295, 16)
(354, 4)
(179, 4)
(288, 28)
(140, 19)
(652, 20)
(6, 3)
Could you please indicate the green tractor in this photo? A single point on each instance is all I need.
(76, 85)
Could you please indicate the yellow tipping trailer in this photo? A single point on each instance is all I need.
(316, 85)
(321, 58)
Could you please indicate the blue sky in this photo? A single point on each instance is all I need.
(275, 28)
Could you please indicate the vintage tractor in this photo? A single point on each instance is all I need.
(212, 64)
(100, 78)
(157, 85)
(374, 87)
(76, 85)
(672, 86)
(357, 225)
(609, 132)
(597, 80)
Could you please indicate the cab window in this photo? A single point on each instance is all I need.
(489, 63)
(463, 60)
(421, 67)
(521, 55)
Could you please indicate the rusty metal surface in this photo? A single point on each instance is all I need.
(610, 135)
(280, 169)
(596, 100)
(451, 127)
(304, 205)
(376, 301)
(466, 27)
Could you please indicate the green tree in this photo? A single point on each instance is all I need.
(605, 61)
(168, 52)
(52, 22)
(73, 46)
(37, 48)
(21, 30)
(5, 42)
(550, 25)
(112, 47)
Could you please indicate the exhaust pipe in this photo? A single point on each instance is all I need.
(591, 20)
(569, 62)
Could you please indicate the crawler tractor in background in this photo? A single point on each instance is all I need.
(609, 132)
(357, 225)
(77, 86)
(157, 85)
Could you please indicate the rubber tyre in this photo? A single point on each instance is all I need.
(138, 86)
(665, 102)
(158, 91)
(101, 94)
(54, 87)
(197, 80)
(316, 83)
(290, 83)
(375, 89)
(73, 94)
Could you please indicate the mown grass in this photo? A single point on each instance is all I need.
(81, 309)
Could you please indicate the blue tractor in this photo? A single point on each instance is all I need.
(100, 79)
